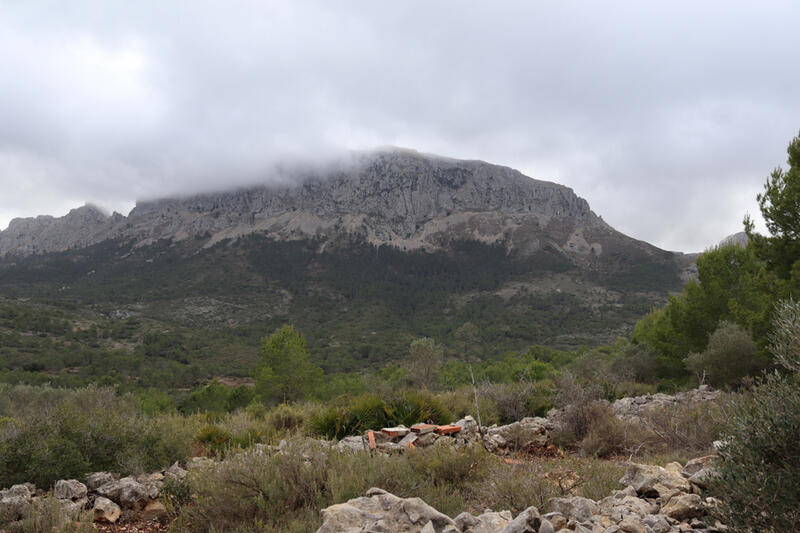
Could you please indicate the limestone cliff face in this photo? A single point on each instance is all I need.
(396, 197)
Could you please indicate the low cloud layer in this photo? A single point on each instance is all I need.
(666, 116)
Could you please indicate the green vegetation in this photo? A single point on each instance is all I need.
(736, 285)
(370, 412)
(758, 483)
(286, 371)
(284, 492)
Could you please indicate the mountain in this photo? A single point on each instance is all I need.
(362, 256)
(402, 198)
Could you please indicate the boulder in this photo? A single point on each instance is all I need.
(488, 522)
(684, 507)
(469, 428)
(351, 444)
(558, 520)
(154, 510)
(382, 511)
(14, 507)
(528, 521)
(195, 463)
(657, 522)
(697, 464)
(575, 508)
(654, 481)
(127, 492)
(23, 490)
(105, 510)
(98, 479)
(175, 472)
(70, 489)
(72, 508)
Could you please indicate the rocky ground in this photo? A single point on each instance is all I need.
(654, 500)
(651, 499)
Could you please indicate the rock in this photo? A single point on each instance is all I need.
(14, 507)
(469, 428)
(546, 527)
(73, 507)
(654, 481)
(528, 521)
(70, 489)
(575, 508)
(409, 440)
(377, 195)
(684, 507)
(175, 472)
(351, 444)
(105, 510)
(488, 522)
(557, 519)
(382, 511)
(23, 490)
(701, 477)
(697, 464)
(658, 523)
(127, 492)
(428, 528)
(426, 439)
(631, 526)
(154, 510)
(98, 479)
(195, 463)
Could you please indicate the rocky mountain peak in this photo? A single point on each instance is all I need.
(390, 196)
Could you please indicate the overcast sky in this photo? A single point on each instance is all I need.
(666, 116)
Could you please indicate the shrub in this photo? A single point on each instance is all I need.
(688, 428)
(730, 356)
(371, 412)
(576, 402)
(607, 434)
(47, 516)
(287, 418)
(65, 434)
(515, 401)
(758, 483)
(214, 440)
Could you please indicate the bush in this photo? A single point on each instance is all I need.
(47, 516)
(287, 418)
(607, 434)
(515, 401)
(371, 412)
(64, 434)
(758, 483)
(214, 440)
(730, 356)
(575, 401)
(689, 428)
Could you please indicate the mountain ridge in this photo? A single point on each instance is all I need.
(397, 197)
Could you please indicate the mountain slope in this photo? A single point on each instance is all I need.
(402, 198)
(362, 258)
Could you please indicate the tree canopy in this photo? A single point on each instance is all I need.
(780, 207)
(286, 372)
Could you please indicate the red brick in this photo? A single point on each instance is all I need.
(423, 428)
(447, 430)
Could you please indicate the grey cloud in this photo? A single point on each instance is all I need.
(665, 116)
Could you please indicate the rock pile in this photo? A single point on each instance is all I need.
(634, 408)
(530, 432)
(105, 494)
(654, 500)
